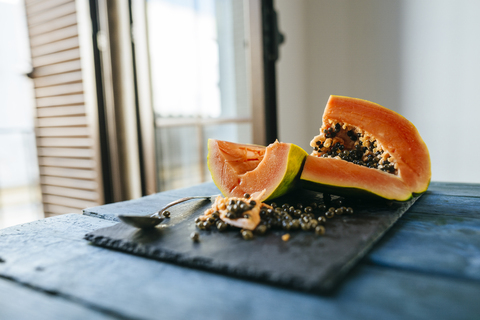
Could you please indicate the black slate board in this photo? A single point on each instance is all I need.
(306, 262)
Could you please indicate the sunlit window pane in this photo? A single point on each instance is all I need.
(184, 58)
(199, 73)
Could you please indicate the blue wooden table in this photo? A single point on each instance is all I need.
(426, 267)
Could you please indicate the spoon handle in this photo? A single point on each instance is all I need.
(171, 204)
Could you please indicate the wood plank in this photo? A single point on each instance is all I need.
(66, 201)
(63, 68)
(63, 132)
(442, 245)
(66, 163)
(58, 90)
(78, 110)
(455, 189)
(21, 302)
(60, 101)
(54, 13)
(65, 152)
(57, 46)
(105, 278)
(59, 23)
(68, 173)
(70, 192)
(68, 182)
(62, 121)
(64, 142)
(439, 204)
(40, 6)
(55, 36)
(54, 58)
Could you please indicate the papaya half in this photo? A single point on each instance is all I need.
(238, 169)
(366, 149)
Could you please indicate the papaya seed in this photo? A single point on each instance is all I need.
(261, 229)
(211, 220)
(247, 234)
(320, 230)
(286, 225)
(321, 220)
(195, 236)
(206, 225)
(221, 226)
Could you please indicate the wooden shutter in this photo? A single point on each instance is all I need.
(66, 129)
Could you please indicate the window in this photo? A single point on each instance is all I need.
(199, 56)
(195, 71)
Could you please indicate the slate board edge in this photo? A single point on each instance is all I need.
(331, 283)
(165, 255)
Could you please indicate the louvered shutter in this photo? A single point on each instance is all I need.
(70, 171)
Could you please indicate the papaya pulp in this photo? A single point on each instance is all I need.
(364, 148)
(238, 169)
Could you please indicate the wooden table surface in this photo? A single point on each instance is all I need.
(426, 267)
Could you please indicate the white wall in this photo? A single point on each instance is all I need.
(419, 58)
(291, 76)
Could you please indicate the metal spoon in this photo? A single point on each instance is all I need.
(151, 220)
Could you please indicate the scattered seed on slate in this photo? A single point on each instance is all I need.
(166, 214)
(211, 220)
(305, 226)
(320, 230)
(195, 236)
(222, 225)
(261, 229)
(295, 224)
(306, 217)
(247, 234)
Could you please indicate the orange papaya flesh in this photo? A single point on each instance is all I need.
(247, 219)
(364, 148)
(237, 169)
